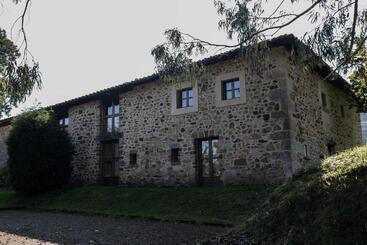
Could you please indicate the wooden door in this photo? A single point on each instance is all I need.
(109, 159)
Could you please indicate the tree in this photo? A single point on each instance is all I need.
(18, 76)
(336, 26)
(359, 79)
(40, 153)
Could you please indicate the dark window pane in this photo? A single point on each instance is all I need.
(175, 155)
(214, 148)
(324, 101)
(133, 159)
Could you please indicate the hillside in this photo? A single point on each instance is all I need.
(324, 205)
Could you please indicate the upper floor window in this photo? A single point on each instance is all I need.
(185, 98)
(112, 117)
(231, 89)
(64, 122)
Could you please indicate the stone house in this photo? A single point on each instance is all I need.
(230, 125)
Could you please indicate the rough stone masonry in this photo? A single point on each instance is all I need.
(280, 121)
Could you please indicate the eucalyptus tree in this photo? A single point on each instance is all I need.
(338, 32)
(359, 78)
(19, 73)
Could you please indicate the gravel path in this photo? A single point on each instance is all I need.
(30, 228)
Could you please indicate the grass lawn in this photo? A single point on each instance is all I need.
(220, 205)
(8, 199)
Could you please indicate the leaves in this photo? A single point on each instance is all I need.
(16, 81)
(336, 24)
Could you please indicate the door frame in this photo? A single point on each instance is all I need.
(114, 178)
(200, 180)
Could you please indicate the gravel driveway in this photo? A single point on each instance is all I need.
(23, 227)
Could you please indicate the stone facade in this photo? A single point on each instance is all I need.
(253, 134)
(364, 127)
(4, 131)
(84, 126)
(276, 127)
(314, 126)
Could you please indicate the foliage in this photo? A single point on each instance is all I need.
(4, 177)
(359, 79)
(17, 79)
(336, 25)
(320, 206)
(40, 153)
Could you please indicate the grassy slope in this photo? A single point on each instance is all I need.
(321, 206)
(8, 199)
(224, 205)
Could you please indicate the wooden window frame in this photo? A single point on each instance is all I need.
(185, 102)
(342, 111)
(324, 100)
(64, 121)
(175, 155)
(232, 90)
(133, 159)
(111, 116)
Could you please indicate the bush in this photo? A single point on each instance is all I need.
(322, 206)
(4, 177)
(40, 153)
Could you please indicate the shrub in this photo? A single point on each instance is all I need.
(4, 177)
(322, 206)
(40, 153)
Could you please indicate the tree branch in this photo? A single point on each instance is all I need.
(195, 39)
(353, 33)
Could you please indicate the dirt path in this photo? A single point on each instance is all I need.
(30, 228)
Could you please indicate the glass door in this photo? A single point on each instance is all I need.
(209, 169)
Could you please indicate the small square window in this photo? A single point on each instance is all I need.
(231, 89)
(185, 98)
(64, 122)
(133, 158)
(324, 101)
(331, 149)
(342, 111)
(305, 149)
(175, 155)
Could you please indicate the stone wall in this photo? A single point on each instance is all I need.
(4, 132)
(84, 127)
(312, 126)
(254, 143)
